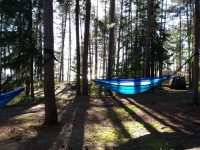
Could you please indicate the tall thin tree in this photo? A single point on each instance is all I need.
(104, 39)
(119, 39)
(49, 92)
(150, 4)
(1, 49)
(78, 90)
(70, 47)
(189, 18)
(31, 46)
(197, 49)
(96, 40)
(111, 40)
(86, 46)
(63, 30)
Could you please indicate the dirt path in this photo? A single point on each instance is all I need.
(157, 120)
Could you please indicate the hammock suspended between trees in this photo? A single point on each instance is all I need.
(130, 86)
(7, 97)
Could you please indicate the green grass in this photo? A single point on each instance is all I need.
(24, 118)
(108, 135)
(132, 127)
(21, 99)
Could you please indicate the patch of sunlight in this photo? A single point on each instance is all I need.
(135, 129)
(32, 124)
(100, 148)
(23, 118)
(120, 113)
(148, 111)
(152, 143)
(155, 124)
(109, 135)
(21, 99)
(160, 127)
(133, 108)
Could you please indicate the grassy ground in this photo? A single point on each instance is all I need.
(161, 119)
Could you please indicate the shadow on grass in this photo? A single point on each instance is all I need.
(150, 142)
(136, 117)
(174, 121)
(161, 110)
(11, 111)
(76, 140)
(153, 140)
(68, 134)
(114, 118)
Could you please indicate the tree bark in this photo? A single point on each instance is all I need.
(1, 36)
(96, 42)
(86, 46)
(150, 4)
(31, 46)
(78, 90)
(70, 47)
(180, 43)
(104, 43)
(196, 57)
(49, 92)
(119, 39)
(61, 74)
(189, 43)
(111, 40)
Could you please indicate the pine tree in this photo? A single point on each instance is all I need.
(49, 92)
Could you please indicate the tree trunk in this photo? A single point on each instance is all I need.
(136, 59)
(160, 62)
(61, 74)
(96, 42)
(31, 79)
(189, 43)
(31, 46)
(148, 37)
(1, 49)
(70, 48)
(196, 57)
(180, 43)
(86, 46)
(111, 40)
(104, 43)
(119, 39)
(40, 42)
(131, 42)
(78, 90)
(152, 62)
(49, 92)
(90, 55)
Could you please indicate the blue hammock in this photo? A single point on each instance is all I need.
(7, 97)
(130, 86)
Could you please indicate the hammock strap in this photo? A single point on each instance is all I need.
(51, 53)
(196, 53)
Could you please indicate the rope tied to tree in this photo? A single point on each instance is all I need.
(51, 53)
(196, 53)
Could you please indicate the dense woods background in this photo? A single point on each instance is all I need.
(97, 39)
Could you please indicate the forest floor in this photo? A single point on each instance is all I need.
(160, 119)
